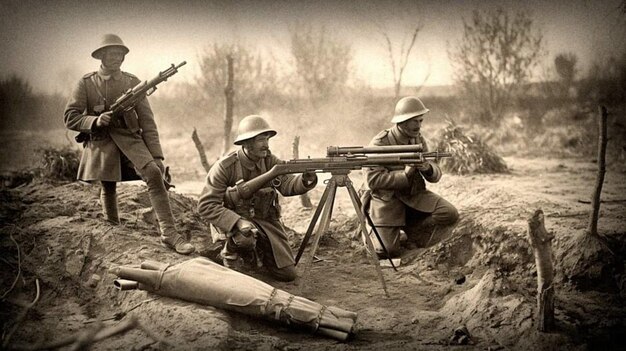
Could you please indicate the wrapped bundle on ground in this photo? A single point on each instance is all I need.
(205, 282)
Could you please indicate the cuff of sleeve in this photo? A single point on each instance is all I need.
(156, 152)
(429, 172)
(300, 187)
(310, 185)
(88, 124)
(435, 174)
(227, 221)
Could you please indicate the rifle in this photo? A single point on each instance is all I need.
(129, 99)
(346, 161)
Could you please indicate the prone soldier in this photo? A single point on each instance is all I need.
(252, 225)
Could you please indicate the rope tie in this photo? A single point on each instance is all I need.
(157, 286)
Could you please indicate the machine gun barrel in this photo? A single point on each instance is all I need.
(358, 150)
(245, 190)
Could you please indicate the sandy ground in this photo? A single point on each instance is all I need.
(482, 278)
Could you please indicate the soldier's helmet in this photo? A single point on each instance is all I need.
(107, 41)
(251, 126)
(407, 108)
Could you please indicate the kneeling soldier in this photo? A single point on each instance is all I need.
(399, 198)
(252, 226)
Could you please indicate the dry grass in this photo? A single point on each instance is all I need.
(470, 154)
(59, 163)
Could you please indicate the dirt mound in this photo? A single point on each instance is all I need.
(481, 278)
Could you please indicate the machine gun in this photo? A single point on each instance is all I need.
(338, 160)
(129, 99)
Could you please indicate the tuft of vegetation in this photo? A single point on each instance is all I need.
(470, 154)
(59, 163)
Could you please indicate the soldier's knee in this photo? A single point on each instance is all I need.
(446, 215)
(151, 174)
(453, 215)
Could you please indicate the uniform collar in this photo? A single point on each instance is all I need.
(402, 138)
(248, 163)
(106, 74)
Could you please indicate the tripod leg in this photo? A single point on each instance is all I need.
(358, 202)
(324, 223)
(370, 246)
(316, 216)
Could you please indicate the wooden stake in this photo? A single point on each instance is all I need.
(229, 92)
(602, 141)
(541, 242)
(200, 148)
(304, 198)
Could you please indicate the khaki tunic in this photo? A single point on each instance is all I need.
(136, 137)
(226, 172)
(391, 190)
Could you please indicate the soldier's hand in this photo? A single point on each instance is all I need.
(104, 119)
(159, 164)
(309, 178)
(244, 225)
(423, 167)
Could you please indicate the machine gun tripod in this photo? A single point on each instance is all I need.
(339, 178)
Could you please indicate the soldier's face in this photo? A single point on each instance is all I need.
(113, 57)
(412, 126)
(258, 147)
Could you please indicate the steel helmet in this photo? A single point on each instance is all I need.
(251, 126)
(407, 108)
(108, 40)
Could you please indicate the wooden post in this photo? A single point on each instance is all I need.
(595, 200)
(541, 242)
(229, 92)
(304, 198)
(201, 152)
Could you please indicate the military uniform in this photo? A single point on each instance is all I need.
(134, 136)
(262, 209)
(124, 149)
(398, 202)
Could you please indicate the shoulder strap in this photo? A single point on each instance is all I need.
(238, 169)
(391, 139)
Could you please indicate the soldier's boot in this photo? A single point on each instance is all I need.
(108, 199)
(231, 259)
(161, 204)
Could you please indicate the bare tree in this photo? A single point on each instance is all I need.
(256, 79)
(399, 36)
(322, 63)
(495, 58)
(399, 60)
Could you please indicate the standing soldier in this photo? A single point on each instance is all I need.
(114, 145)
(252, 226)
(399, 198)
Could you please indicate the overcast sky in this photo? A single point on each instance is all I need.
(49, 42)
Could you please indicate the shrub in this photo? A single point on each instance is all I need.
(469, 153)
